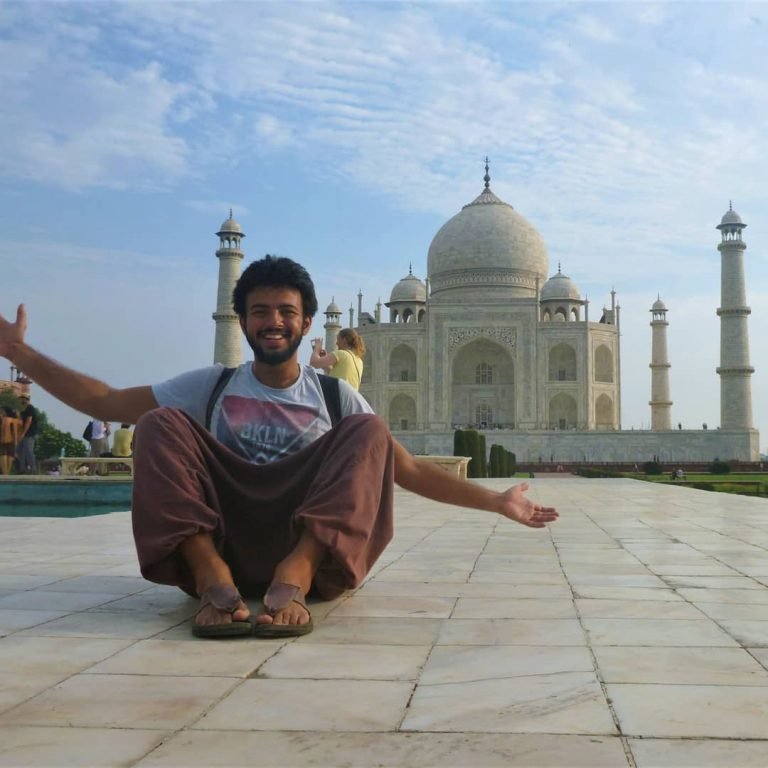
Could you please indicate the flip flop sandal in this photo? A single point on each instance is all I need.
(280, 596)
(223, 597)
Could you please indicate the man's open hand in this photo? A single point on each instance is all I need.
(517, 507)
(12, 334)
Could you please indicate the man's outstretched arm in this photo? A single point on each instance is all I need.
(81, 392)
(431, 481)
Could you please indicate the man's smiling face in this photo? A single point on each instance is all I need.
(274, 324)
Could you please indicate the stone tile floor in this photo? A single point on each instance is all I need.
(633, 632)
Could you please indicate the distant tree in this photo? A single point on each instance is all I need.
(9, 398)
(51, 440)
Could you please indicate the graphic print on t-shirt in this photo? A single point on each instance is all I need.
(263, 431)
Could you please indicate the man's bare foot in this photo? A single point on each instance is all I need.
(212, 612)
(298, 570)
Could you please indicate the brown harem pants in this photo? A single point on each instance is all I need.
(339, 488)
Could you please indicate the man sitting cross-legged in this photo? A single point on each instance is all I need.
(268, 477)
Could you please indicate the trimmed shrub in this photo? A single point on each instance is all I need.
(652, 468)
(469, 442)
(718, 467)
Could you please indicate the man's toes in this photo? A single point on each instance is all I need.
(294, 614)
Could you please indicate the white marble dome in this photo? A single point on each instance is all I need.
(487, 249)
(560, 286)
(659, 306)
(333, 308)
(410, 288)
(230, 226)
(731, 217)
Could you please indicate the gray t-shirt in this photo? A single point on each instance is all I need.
(259, 423)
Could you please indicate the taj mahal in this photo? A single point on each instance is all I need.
(495, 340)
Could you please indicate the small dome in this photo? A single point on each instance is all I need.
(230, 226)
(659, 306)
(560, 286)
(410, 288)
(333, 308)
(730, 217)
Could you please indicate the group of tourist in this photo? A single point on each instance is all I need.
(18, 430)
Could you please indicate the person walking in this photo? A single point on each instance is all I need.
(25, 452)
(99, 442)
(10, 425)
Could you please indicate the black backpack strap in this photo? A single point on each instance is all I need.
(224, 378)
(332, 396)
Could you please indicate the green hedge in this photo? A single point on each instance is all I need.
(501, 463)
(470, 442)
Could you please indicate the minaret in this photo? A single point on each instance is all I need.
(359, 308)
(661, 405)
(735, 370)
(227, 348)
(332, 325)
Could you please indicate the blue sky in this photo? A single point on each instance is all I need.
(345, 134)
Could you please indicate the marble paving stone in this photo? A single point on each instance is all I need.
(16, 620)
(734, 611)
(642, 609)
(310, 705)
(74, 747)
(519, 563)
(196, 749)
(691, 711)
(761, 654)
(160, 601)
(121, 701)
(375, 631)
(237, 658)
(555, 632)
(450, 575)
(603, 569)
(39, 600)
(752, 633)
(553, 578)
(20, 686)
(470, 663)
(625, 593)
(396, 607)
(120, 585)
(670, 632)
(486, 589)
(61, 656)
(711, 595)
(695, 666)
(102, 582)
(12, 582)
(676, 569)
(103, 624)
(570, 702)
(692, 753)
(346, 662)
(579, 583)
(714, 582)
(506, 581)
(506, 608)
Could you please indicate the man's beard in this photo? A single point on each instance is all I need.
(273, 358)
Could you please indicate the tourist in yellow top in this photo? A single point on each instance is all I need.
(345, 362)
(122, 447)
